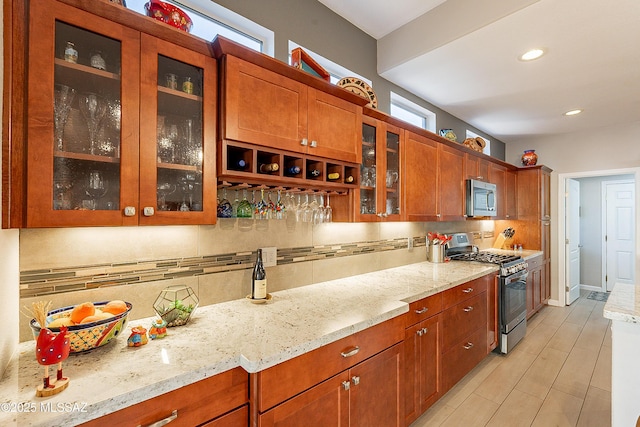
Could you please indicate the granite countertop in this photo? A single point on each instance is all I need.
(623, 303)
(221, 337)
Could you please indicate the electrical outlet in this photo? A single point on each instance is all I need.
(269, 256)
(410, 243)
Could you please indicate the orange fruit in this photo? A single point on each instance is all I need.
(115, 307)
(81, 311)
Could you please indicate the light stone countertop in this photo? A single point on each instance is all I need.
(218, 338)
(623, 303)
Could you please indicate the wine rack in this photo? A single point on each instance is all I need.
(240, 162)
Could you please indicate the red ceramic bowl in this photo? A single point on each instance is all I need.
(169, 14)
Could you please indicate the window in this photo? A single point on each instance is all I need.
(412, 113)
(487, 148)
(210, 19)
(335, 70)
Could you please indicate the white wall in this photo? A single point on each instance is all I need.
(9, 278)
(607, 148)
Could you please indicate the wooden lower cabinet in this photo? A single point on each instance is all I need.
(368, 394)
(463, 357)
(421, 367)
(535, 286)
(218, 401)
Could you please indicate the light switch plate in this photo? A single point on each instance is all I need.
(269, 256)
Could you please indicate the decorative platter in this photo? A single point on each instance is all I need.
(359, 87)
(449, 134)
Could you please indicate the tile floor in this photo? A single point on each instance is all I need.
(559, 375)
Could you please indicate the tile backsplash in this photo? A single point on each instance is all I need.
(70, 266)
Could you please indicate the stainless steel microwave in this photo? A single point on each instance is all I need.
(481, 198)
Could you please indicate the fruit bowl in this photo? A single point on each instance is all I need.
(86, 336)
(169, 14)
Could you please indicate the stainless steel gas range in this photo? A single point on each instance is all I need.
(512, 292)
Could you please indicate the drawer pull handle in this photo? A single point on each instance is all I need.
(468, 346)
(467, 309)
(422, 310)
(422, 331)
(355, 380)
(346, 385)
(164, 421)
(468, 290)
(351, 352)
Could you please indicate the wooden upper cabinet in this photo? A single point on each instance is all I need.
(105, 133)
(262, 107)
(497, 176)
(420, 166)
(451, 187)
(476, 168)
(511, 194)
(379, 194)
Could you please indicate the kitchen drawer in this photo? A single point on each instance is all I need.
(424, 308)
(195, 403)
(463, 292)
(463, 357)
(462, 319)
(280, 382)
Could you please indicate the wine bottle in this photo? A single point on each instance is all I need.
(293, 170)
(259, 279)
(349, 179)
(239, 164)
(333, 176)
(313, 173)
(269, 167)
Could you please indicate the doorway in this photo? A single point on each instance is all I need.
(592, 249)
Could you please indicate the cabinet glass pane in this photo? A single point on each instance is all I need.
(392, 174)
(86, 120)
(179, 136)
(368, 171)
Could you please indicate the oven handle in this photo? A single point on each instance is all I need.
(520, 276)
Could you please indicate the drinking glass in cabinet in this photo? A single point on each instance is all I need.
(165, 189)
(96, 188)
(93, 107)
(63, 97)
(391, 178)
(191, 188)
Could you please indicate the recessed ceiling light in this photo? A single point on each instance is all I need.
(532, 54)
(573, 112)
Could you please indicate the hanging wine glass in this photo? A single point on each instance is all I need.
(234, 205)
(63, 97)
(328, 212)
(261, 209)
(245, 210)
(224, 206)
(280, 209)
(93, 107)
(96, 188)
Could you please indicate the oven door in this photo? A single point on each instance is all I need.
(513, 300)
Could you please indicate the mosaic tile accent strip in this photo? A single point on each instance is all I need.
(59, 280)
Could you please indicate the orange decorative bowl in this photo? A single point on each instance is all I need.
(87, 336)
(169, 14)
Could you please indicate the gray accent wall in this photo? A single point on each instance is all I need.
(316, 27)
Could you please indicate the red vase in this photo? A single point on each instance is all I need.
(529, 158)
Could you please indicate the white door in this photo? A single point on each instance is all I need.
(572, 240)
(619, 239)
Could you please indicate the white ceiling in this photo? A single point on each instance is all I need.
(462, 56)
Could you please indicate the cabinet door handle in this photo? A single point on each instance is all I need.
(382, 214)
(467, 309)
(164, 421)
(346, 385)
(351, 352)
(468, 290)
(468, 346)
(422, 310)
(148, 211)
(314, 144)
(304, 142)
(129, 211)
(355, 380)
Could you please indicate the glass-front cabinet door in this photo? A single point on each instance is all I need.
(93, 157)
(177, 177)
(379, 195)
